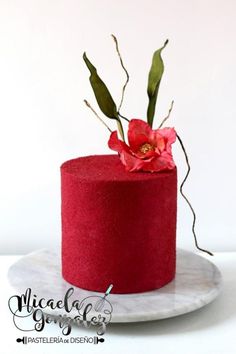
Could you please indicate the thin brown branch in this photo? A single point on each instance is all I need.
(186, 199)
(101, 120)
(120, 115)
(168, 115)
(125, 70)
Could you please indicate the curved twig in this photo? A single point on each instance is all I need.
(168, 115)
(120, 115)
(93, 110)
(125, 70)
(186, 199)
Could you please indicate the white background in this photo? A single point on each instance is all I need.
(43, 81)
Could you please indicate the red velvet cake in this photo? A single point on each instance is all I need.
(118, 227)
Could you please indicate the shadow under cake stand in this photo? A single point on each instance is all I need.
(197, 283)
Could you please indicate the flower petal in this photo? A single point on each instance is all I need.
(161, 163)
(169, 135)
(147, 155)
(139, 133)
(116, 144)
(131, 162)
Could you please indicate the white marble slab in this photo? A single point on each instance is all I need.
(197, 283)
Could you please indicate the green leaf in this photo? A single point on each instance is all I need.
(154, 79)
(103, 96)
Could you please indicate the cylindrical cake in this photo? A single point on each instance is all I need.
(118, 227)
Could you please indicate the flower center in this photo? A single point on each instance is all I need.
(145, 148)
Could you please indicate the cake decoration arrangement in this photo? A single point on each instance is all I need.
(118, 261)
(119, 211)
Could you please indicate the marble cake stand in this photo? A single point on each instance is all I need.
(197, 283)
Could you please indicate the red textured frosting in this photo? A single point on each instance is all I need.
(118, 227)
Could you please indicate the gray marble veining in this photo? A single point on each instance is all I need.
(197, 283)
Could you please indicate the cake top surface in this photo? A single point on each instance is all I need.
(107, 168)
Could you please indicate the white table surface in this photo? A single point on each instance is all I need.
(210, 330)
